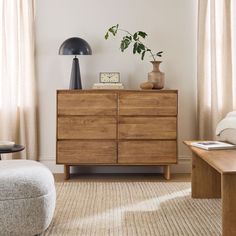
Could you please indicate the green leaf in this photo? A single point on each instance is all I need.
(135, 36)
(159, 54)
(111, 29)
(142, 34)
(124, 44)
(106, 35)
(142, 47)
(128, 38)
(135, 48)
(143, 54)
(114, 29)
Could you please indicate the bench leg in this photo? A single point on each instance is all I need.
(228, 204)
(167, 172)
(206, 181)
(66, 172)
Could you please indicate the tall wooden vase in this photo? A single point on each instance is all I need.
(156, 77)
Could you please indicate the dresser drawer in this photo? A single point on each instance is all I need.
(147, 152)
(86, 127)
(87, 103)
(147, 128)
(147, 103)
(86, 152)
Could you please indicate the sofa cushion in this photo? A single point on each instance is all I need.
(229, 122)
(228, 135)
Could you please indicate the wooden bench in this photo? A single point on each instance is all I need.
(214, 176)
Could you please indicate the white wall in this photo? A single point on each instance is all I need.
(171, 27)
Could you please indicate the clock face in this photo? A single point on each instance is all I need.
(109, 77)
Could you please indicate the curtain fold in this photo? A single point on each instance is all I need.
(216, 81)
(18, 104)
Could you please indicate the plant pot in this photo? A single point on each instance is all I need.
(156, 77)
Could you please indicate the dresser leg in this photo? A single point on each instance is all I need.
(66, 172)
(167, 172)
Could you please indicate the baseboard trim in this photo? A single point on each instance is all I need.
(184, 166)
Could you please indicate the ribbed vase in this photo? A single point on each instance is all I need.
(156, 77)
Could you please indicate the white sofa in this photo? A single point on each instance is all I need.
(226, 128)
(27, 198)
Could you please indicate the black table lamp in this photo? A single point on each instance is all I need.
(75, 46)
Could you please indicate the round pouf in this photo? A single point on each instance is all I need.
(27, 197)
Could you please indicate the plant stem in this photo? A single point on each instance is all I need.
(125, 31)
(149, 50)
(152, 54)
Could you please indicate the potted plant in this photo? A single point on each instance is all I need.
(155, 77)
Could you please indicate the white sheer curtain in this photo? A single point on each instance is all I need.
(216, 63)
(17, 75)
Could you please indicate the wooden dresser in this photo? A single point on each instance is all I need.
(117, 127)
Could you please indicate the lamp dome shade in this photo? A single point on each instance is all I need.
(75, 46)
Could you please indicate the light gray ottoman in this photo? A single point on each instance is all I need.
(27, 198)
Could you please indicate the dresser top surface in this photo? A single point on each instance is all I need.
(116, 90)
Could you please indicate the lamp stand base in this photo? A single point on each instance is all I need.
(75, 79)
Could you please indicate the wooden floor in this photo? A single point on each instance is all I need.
(124, 177)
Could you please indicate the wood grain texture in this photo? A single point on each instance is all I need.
(228, 204)
(86, 152)
(206, 181)
(147, 128)
(148, 104)
(87, 103)
(146, 152)
(214, 177)
(92, 124)
(224, 161)
(87, 127)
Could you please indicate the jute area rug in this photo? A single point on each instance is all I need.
(122, 208)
